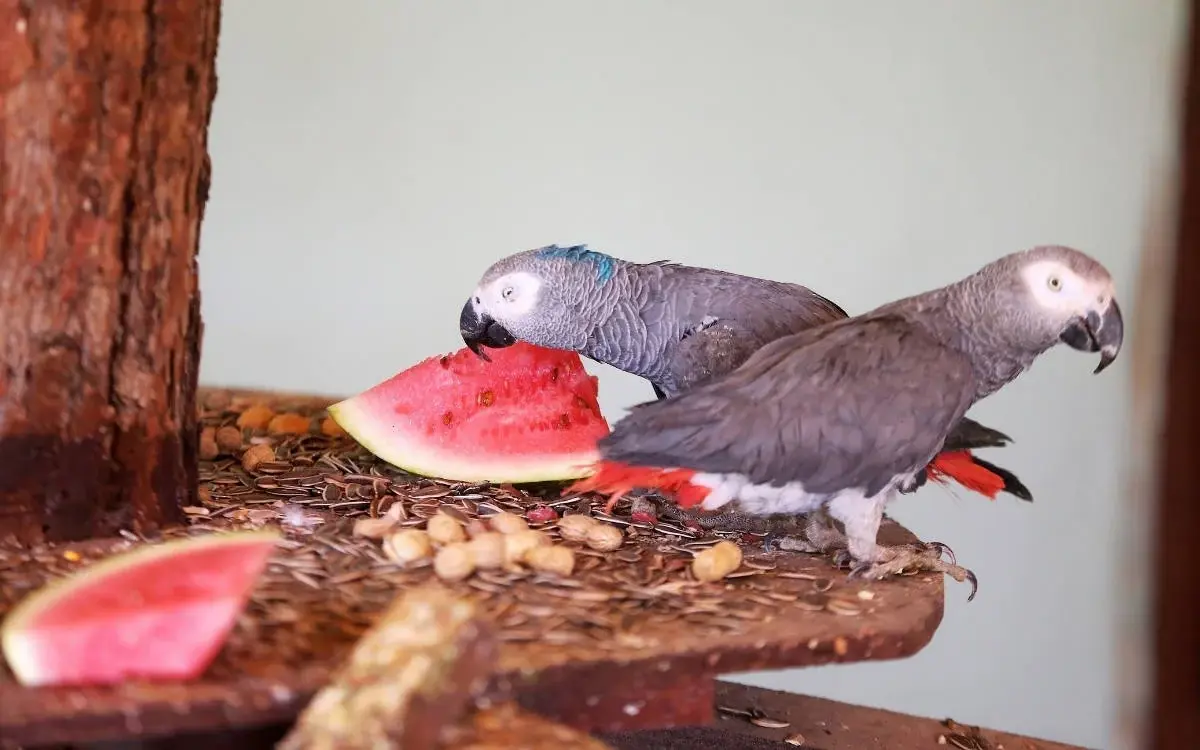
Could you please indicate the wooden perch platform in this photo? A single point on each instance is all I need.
(630, 639)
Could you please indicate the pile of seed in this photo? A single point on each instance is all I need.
(548, 570)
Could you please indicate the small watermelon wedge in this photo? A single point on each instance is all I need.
(531, 414)
(160, 612)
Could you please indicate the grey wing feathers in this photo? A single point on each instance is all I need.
(711, 352)
(845, 405)
(745, 313)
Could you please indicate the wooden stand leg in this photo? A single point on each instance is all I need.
(104, 170)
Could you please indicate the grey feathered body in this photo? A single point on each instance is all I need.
(842, 414)
(846, 409)
(681, 326)
(678, 326)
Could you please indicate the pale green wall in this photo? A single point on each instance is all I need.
(371, 158)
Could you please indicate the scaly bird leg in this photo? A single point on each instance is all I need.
(648, 505)
(781, 531)
(648, 502)
(821, 536)
(861, 518)
(818, 536)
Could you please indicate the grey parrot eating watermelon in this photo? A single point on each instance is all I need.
(842, 417)
(676, 326)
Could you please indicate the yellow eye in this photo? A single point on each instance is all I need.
(1054, 283)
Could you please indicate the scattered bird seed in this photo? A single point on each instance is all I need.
(407, 545)
(716, 562)
(373, 528)
(445, 527)
(576, 527)
(454, 562)
(604, 537)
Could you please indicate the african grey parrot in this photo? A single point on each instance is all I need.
(842, 417)
(676, 326)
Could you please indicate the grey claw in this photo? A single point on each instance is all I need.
(974, 584)
(943, 549)
(858, 570)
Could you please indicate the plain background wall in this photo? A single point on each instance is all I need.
(371, 159)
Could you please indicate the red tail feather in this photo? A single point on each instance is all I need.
(616, 479)
(961, 467)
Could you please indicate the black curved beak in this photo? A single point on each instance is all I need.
(480, 330)
(1098, 333)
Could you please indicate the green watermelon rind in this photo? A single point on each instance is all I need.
(415, 458)
(20, 625)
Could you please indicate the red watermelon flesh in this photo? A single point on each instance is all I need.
(160, 612)
(531, 414)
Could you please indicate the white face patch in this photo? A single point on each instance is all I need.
(509, 297)
(1057, 288)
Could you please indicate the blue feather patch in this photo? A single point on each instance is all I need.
(606, 265)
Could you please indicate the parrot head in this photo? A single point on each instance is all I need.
(1068, 297)
(541, 296)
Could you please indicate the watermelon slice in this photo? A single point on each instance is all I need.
(160, 612)
(531, 414)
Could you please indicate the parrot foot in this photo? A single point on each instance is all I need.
(790, 544)
(643, 505)
(895, 560)
(820, 536)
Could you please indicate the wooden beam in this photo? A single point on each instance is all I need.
(1175, 685)
(104, 112)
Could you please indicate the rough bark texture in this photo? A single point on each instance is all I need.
(104, 111)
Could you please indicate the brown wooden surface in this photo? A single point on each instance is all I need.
(1175, 720)
(655, 673)
(641, 700)
(664, 682)
(104, 177)
(505, 726)
(508, 726)
(822, 724)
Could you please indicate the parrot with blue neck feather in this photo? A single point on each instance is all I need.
(678, 327)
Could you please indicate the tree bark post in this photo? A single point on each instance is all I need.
(104, 112)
